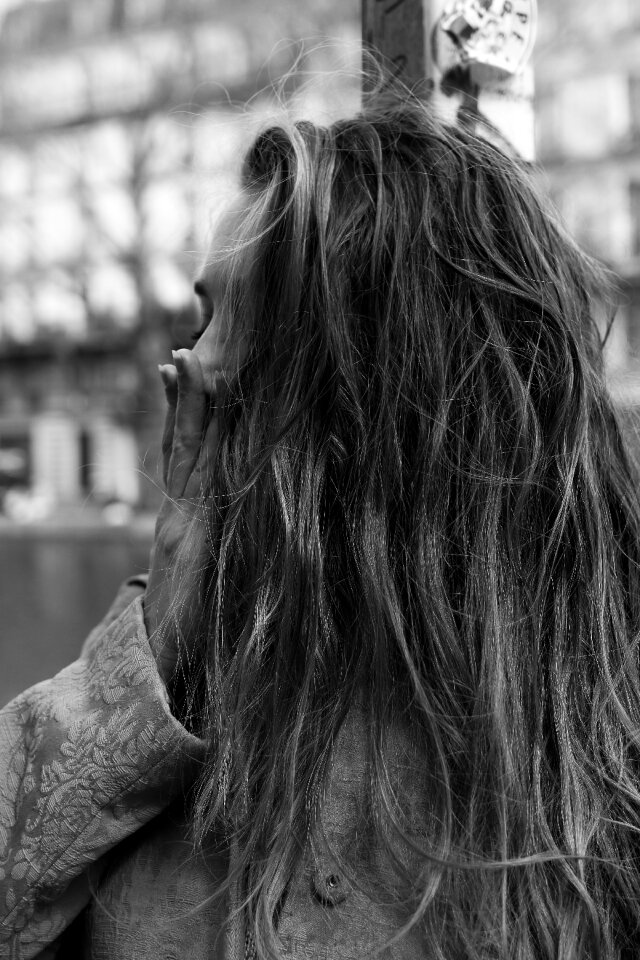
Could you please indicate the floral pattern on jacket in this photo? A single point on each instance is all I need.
(86, 759)
(90, 757)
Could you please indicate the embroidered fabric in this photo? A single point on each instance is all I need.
(250, 952)
(86, 758)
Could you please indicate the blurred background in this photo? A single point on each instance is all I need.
(120, 121)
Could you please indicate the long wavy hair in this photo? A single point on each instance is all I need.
(422, 504)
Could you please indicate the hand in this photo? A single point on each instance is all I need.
(188, 446)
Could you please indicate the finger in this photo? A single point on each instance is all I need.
(203, 469)
(169, 377)
(191, 412)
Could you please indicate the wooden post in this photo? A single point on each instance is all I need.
(394, 33)
(469, 57)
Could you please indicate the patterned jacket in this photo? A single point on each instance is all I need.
(95, 860)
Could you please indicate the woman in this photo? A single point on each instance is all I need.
(395, 590)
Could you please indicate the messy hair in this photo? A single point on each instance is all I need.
(422, 507)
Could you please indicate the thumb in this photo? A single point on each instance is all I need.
(191, 410)
(169, 377)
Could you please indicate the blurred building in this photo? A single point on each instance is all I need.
(119, 121)
(587, 63)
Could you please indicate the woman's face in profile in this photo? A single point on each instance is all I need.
(219, 346)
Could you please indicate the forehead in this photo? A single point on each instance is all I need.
(226, 248)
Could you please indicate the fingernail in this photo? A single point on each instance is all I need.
(178, 359)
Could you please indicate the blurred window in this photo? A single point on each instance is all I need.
(168, 55)
(167, 217)
(118, 80)
(106, 153)
(593, 115)
(634, 105)
(143, 12)
(588, 17)
(15, 457)
(196, 7)
(15, 243)
(117, 19)
(54, 22)
(19, 29)
(616, 351)
(548, 138)
(113, 295)
(113, 223)
(16, 312)
(57, 162)
(172, 288)
(222, 53)
(15, 173)
(58, 308)
(86, 473)
(44, 92)
(548, 22)
(91, 19)
(220, 140)
(58, 229)
(595, 207)
(632, 314)
(634, 203)
(170, 145)
(619, 13)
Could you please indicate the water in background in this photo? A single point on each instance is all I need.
(53, 590)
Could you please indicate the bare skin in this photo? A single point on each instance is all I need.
(193, 384)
